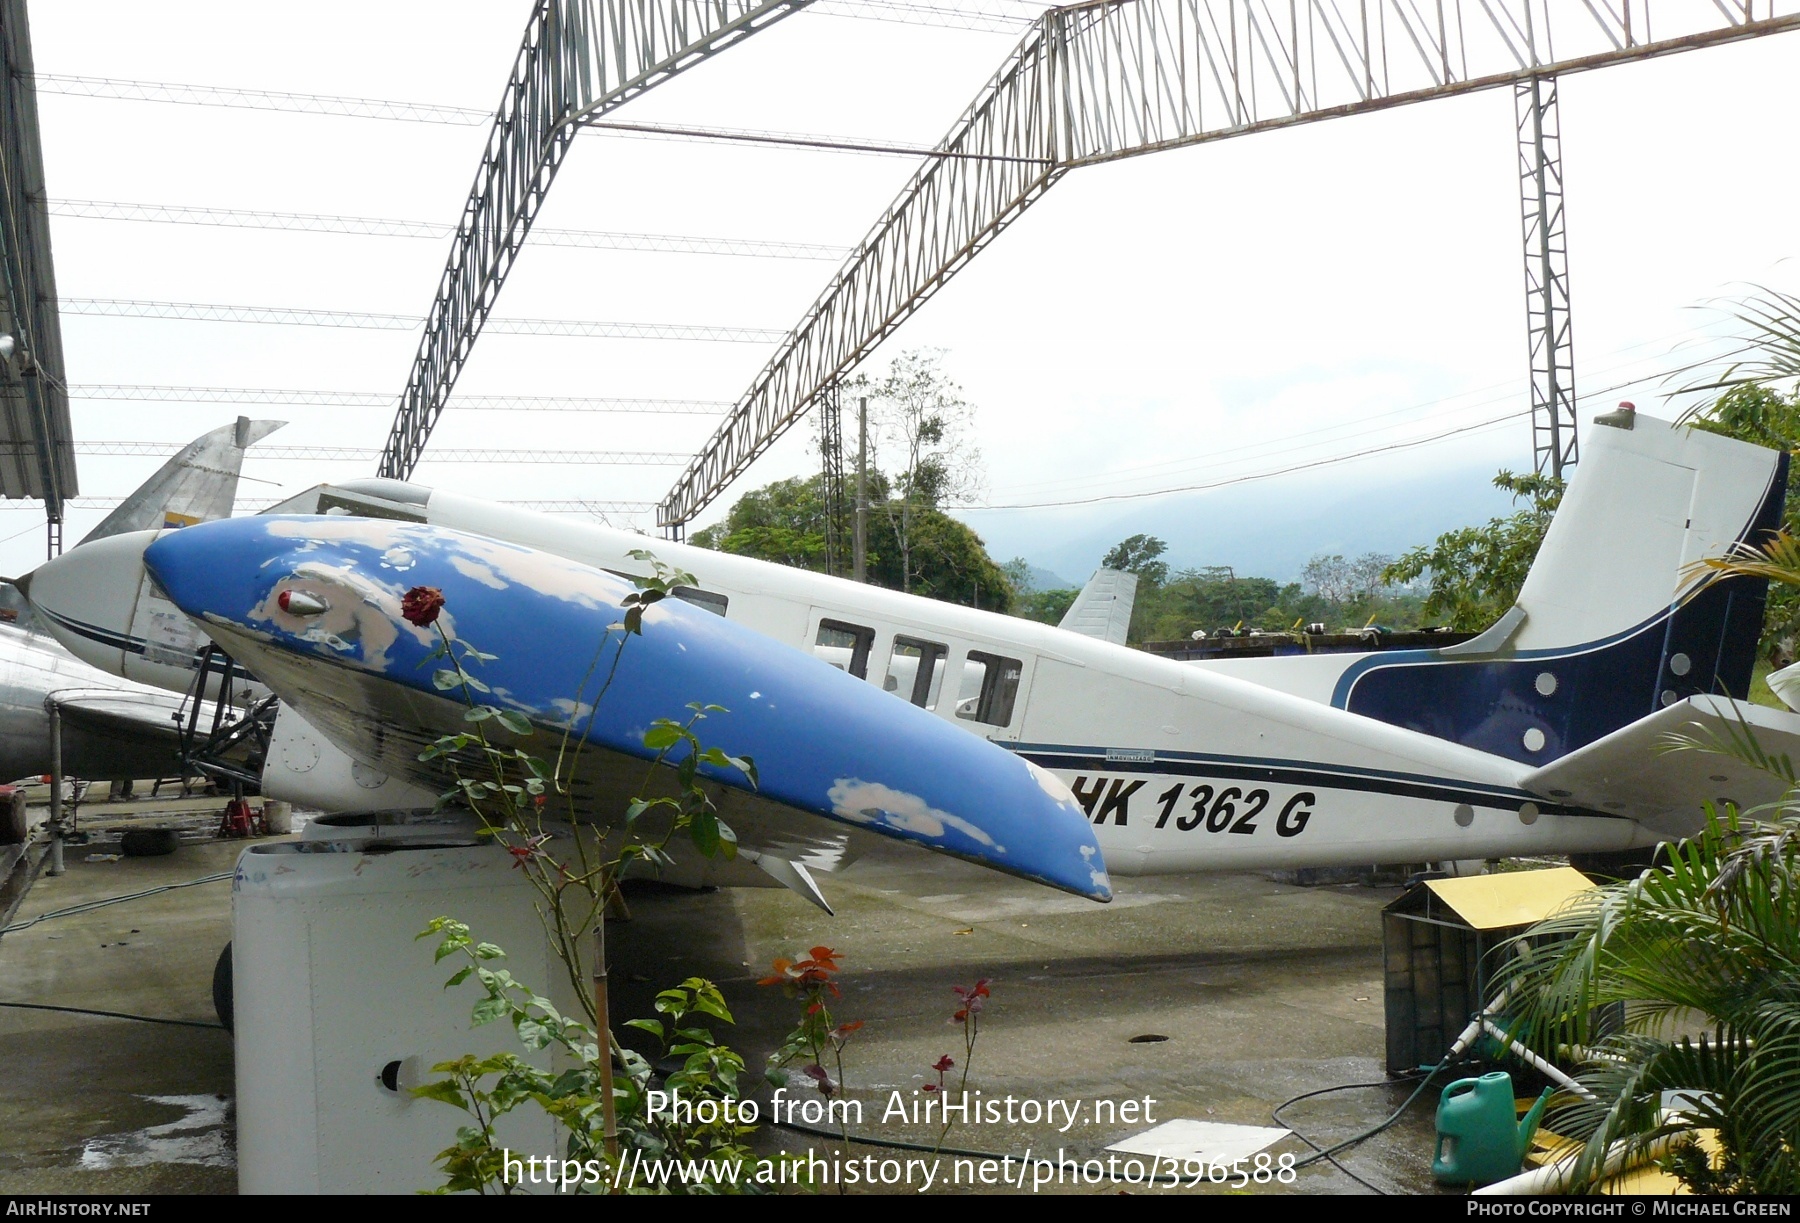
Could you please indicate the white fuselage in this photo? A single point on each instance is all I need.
(112, 729)
(1179, 768)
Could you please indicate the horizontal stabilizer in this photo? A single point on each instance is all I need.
(1103, 608)
(1634, 771)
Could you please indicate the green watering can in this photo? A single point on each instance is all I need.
(1480, 1140)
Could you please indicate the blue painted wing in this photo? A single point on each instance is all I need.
(314, 607)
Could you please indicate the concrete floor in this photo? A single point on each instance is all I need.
(80, 1092)
(1264, 991)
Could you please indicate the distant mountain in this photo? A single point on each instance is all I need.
(1269, 529)
(1042, 579)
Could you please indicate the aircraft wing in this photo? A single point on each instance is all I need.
(121, 713)
(1103, 608)
(1640, 771)
(106, 735)
(314, 607)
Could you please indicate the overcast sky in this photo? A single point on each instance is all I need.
(1171, 320)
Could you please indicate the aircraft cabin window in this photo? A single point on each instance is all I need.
(716, 604)
(990, 685)
(916, 670)
(845, 646)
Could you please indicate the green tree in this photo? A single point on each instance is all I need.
(784, 522)
(1760, 414)
(1031, 603)
(1476, 572)
(1215, 596)
(921, 417)
(1346, 582)
(1771, 345)
(1138, 555)
(513, 793)
(1206, 599)
(917, 415)
(948, 562)
(1044, 606)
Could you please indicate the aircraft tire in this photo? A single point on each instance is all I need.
(149, 842)
(221, 985)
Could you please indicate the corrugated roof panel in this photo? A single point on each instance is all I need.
(37, 458)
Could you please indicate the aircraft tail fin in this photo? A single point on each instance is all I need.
(1103, 608)
(1616, 619)
(198, 485)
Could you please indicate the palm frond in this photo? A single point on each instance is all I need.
(1771, 332)
(1776, 559)
(1738, 742)
(1710, 942)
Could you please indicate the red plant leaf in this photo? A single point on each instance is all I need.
(817, 1074)
(779, 974)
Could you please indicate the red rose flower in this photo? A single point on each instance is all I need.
(422, 605)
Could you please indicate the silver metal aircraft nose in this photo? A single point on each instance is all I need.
(88, 598)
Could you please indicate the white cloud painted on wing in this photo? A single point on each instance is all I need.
(480, 572)
(492, 563)
(1096, 875)
(1051, 784)
(870, 802)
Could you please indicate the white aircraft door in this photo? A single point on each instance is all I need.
(991, 688)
